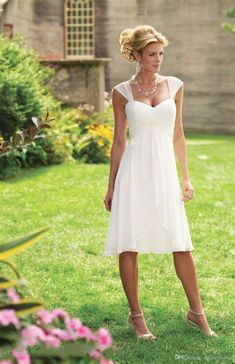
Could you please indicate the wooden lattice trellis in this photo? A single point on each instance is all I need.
(79, 29)
(140, 7)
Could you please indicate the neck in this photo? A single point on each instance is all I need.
(145, 77)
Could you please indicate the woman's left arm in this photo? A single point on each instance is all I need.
(180, 147)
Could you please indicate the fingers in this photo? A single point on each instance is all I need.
(108, 204)
(188, 195)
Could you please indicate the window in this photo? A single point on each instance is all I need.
(79, 29)
(140, 4)
(8, 30)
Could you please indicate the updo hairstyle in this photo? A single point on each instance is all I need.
(135, 39)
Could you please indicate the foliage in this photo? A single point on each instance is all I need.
(76, 134)
(23, 90)
(21, 150)
(69, 269)
(33, 335)
(22, 138)
(229, 26)
(88, 134)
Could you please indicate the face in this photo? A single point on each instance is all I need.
(151, 57)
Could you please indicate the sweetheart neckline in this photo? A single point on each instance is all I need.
(144, 103)
(141, 102)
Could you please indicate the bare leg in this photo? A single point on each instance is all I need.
(128, 267)
(186, 271)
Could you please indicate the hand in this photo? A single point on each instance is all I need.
(108, 199)
(188, 190)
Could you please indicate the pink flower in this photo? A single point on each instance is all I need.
(11, 293)
(96, 353)
(45, 317)
(59, 313)
(31, 335)
(62, 334)
(8, 317)
(73, 324)
(52, 341)
(22, 356)
(85, 332)
(5, 362)
(104, 338)
(106, 361)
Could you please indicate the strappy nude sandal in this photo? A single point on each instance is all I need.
(148, 336)
(194, 324)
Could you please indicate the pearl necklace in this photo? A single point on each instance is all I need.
(145, 93)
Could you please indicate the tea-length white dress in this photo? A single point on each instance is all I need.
(147, 213)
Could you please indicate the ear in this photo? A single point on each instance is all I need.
(136, 55)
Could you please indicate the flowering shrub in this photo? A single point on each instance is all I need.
(52, 334)
(87, 133)
(99, 148)
(99, 126)
(31, 334)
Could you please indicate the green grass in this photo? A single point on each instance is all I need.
(66, 269)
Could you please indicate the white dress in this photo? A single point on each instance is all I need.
(147, 213)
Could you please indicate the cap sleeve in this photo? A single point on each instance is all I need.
(175, 83)
(122, 89)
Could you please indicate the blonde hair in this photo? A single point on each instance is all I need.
(135, 39)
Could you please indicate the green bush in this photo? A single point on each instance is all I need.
(45, 151)
(57, 147)
(23, 90)
(76, 134)
(9, 164)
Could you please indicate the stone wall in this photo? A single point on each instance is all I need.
(80, 82)
(200, 52)
(42, 25)
(40, 22)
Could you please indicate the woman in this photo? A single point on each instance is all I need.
(144, 194)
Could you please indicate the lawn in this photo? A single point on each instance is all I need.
(66, 268)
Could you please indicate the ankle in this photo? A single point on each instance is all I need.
(135, 310)
(136, 313)
(197, 311)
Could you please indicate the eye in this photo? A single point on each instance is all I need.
(152, 54)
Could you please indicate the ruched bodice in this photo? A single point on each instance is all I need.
(147, 213)
(154, 116)
(161, 116)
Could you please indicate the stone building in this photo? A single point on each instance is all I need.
(82, 37)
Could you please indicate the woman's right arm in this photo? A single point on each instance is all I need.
(119, 142)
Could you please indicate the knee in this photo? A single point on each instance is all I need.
(130, 253)
(183, 255)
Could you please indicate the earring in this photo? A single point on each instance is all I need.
(138, 67)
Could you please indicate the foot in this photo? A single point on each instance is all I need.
(199, 318)
(138, 323)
